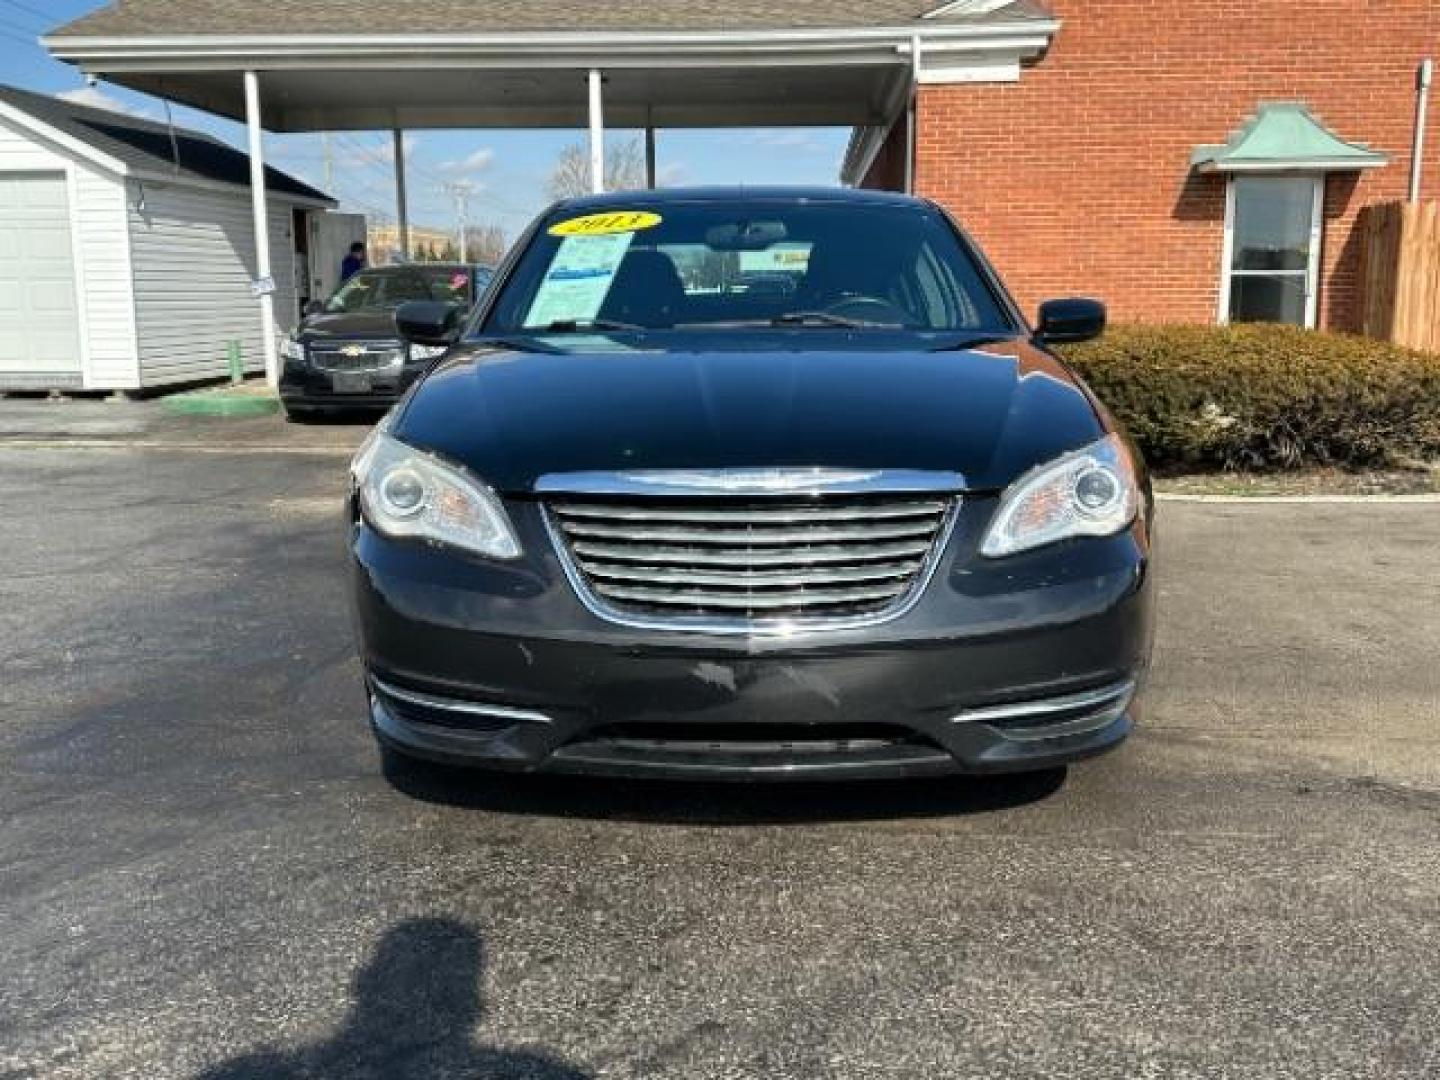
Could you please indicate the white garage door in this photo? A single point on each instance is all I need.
(40, 345)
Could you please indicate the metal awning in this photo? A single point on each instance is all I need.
(843, 75)
(1285, 136)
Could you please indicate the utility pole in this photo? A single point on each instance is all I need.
(461, 190)
(329, 162)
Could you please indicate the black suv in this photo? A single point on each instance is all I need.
(347, 353)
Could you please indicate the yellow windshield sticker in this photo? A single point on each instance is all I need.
(618, 221)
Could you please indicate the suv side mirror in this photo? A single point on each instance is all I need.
(314, 307)
(1074, 319)
(429, 322)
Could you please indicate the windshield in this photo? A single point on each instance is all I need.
(748, 263)
(386, 289)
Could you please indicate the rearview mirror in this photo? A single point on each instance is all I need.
(314, 307)
(428, 322)
(1070, 320)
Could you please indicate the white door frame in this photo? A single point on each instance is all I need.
(1317, 235)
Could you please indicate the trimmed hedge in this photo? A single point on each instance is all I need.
(1264, 396)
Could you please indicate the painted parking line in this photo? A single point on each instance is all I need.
(260, 449)
(169, 446)
(1420, 499)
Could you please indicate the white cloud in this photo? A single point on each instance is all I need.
(352, 149)
(674, 174)
(476, 162)
(97, 98)
(786, 138)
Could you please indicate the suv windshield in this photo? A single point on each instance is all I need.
(386, 289)
(748, 263)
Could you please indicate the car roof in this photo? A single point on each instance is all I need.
(741, 193)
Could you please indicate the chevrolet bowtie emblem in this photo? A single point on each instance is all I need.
(353, 351)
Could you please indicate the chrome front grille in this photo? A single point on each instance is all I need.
(745, 563)
(357, 355)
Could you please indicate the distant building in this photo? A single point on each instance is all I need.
(384, 241)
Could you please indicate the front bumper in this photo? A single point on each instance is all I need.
(1018, 664)
(306, 387)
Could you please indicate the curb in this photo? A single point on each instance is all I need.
(1422, 499)
(220, 403)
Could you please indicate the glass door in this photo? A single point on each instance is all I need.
(1272, 249)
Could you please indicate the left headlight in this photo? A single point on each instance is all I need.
(1090, 492)
(290, 349)
(407, 493)
(427, 352)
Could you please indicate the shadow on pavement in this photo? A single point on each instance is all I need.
(415, 1004)
(715, 803)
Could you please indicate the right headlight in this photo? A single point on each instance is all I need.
(407, 493)
(1093, 491)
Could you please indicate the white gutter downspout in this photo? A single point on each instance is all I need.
(1422, 103)
(264, 283)
(597, 133)
(912, 114)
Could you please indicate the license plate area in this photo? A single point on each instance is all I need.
(351, 382)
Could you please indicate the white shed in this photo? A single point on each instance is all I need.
(127, 249)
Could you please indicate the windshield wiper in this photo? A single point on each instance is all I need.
(571, 326)
(819, 318)
(974, 341)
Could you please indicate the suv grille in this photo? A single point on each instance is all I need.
(743, 563)
(357, 355)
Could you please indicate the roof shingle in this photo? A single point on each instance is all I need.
(147, 145)
(265, 17)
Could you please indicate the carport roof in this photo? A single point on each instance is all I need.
(278, 17)
(354, 64)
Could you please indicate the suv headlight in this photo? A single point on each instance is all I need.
(290, 349)
(427, 352)
(1090, 492)
(406, 493)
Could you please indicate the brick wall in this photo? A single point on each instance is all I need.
(1076, 179)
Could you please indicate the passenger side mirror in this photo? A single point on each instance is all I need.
(1070, 320)
(429, 322)
(314, 307)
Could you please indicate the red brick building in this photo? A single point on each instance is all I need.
(1077, 176)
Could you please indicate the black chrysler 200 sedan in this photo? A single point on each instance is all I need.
(346, 353)
(647, 519)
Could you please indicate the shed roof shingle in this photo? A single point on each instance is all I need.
(147, 145)
(263, 17)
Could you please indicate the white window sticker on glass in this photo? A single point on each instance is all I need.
(579, 279)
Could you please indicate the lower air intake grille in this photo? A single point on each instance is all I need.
(741, 563)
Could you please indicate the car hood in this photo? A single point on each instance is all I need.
(990, 413)
(349, 325)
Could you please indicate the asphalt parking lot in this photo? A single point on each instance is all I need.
(203, 872)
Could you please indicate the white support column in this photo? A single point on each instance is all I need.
(402, 200)
(650, 156)
(264, 281)
(597, 133)
(912, 115)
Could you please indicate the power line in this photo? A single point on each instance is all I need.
(19, 26)
(47, 18)
(32, 42)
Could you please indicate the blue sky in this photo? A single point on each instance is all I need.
(509, 168)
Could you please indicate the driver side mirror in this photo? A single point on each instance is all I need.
(314, 307)
(429, 322)
(1066, 321)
